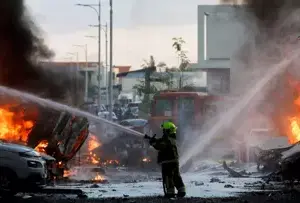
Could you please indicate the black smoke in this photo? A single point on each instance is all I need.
(275, 38)
(268, 13)
(22, 48)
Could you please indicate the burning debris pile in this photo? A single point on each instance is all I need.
(276, 38)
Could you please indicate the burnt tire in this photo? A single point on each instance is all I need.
(7, 183)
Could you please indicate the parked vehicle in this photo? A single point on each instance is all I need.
(135, 111)
(135, 124)
(130, 113)
(118, 111)
(21, 168)
(133, 104)
(105, 115)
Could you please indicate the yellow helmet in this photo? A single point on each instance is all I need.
(169, 126)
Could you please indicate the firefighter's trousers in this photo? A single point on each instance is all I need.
(171, 178)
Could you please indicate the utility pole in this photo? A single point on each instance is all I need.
(106, 63)
(105, 29)
(98, 11)
(99, 55)
(111, 60)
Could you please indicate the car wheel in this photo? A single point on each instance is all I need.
(7, 180)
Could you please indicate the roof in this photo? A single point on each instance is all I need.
(123, 69)
(81, 64)
(136, 73)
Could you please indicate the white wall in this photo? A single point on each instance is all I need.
(128, 83)
(220, 34)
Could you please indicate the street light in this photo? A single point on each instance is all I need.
(111, 58)
(76, 55)
(92, 6)
(105, 29)
(86, 71)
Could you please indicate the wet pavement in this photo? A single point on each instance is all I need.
(291, 196)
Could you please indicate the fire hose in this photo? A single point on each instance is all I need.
(62, 107)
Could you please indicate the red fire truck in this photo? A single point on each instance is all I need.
(184, 108)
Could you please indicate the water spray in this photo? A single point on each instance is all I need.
(233, 113)
(63, 107)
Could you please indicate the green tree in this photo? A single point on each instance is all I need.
(165, 77)
(181, 53)
(184, 62)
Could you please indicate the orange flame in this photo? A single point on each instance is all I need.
(93, 143)
(94, 158)
(13, 126)
(42, 146)
(68, 173)
(294, 135)
(98, 178)
(111, 162)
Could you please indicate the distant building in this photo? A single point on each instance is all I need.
(131, 78)
(220, 35)
(89, 71)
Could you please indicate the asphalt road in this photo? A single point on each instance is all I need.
(260, 197)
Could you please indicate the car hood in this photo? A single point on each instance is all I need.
(47, 157)
(15, 148)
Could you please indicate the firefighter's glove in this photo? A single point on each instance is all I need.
(147, 137)
(152, 140)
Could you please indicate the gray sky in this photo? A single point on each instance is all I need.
(141, 27)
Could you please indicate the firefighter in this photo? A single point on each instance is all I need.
(169, 160)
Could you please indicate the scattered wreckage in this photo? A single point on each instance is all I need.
(280, 164)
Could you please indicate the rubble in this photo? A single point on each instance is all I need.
(228, 186)
(216, 180)
(282, 165)
(197, 183)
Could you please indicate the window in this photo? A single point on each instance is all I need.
(163, 107)
(186, 104)
(138, 122)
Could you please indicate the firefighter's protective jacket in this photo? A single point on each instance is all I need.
(167, 149)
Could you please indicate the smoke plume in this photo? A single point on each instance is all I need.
(275, 27)
(22, 48)
(271, 41)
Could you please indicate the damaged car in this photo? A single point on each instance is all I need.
(21, 169)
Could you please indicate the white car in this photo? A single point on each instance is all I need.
(21, 168)
(105, 115)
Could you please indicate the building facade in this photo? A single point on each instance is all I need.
(88, 71)
(220, 35)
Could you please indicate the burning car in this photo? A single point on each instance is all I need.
(55, 133)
